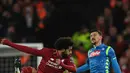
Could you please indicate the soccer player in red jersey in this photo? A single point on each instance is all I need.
(54, 60)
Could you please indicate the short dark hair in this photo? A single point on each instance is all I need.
(96, 30)
(63, 43)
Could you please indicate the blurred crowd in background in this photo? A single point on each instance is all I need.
(21, 20)
(24, 21)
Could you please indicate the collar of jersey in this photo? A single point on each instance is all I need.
(98, 46)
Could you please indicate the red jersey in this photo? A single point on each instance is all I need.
(48, 63)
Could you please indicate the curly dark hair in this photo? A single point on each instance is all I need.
(63, 43)
(96, 30)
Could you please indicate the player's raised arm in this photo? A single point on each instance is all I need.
(25, 49)
(113, 60)
(83, 68)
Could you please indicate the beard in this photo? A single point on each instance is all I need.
(64, 55)
(93, 41)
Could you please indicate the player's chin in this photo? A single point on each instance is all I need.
(93, 42)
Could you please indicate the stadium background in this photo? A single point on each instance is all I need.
(32, 21)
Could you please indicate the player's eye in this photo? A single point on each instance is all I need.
(94, 34)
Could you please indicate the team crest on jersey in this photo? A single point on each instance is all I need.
(94, 53)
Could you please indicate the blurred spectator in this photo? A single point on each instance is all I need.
(128, 52)
(108, 18)
(127, 19)
(107, 40)
(6, 2)
(113, 33)
(124, 64)
(20, 3)
(128, 56)
(41, 13)
(11, 33)
(28, 13)
(127, 34)
(7, 15)
(118, 16)
(125, 4)
(3, 21)
(100, 24)
(82, 37)
(120, 46)
(30, 18)
(49, 7)
(113, 3)
(18, 20)
(80, 55)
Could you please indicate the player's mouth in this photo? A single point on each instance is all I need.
(93, 39)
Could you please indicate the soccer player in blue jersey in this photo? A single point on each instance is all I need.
(100, 57)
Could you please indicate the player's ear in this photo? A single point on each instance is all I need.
(101, 37)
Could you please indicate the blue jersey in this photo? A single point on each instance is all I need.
(99, 60)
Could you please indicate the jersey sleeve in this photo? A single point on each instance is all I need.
(68, 65)
(23, 48)
(113, 61)
(26, 49)
(83, 68)
(111, 54)
(69, 62)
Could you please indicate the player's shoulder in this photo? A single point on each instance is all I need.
(110, 51)
(109, 48)
(104, 46)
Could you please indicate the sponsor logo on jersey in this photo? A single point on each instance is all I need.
(52, 59)
(103, 48)
(94, 53)
(53, 64)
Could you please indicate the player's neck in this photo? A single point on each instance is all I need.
(98, 44)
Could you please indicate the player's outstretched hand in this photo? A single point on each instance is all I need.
(4, 40)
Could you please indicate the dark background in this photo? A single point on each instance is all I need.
(69, 15)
